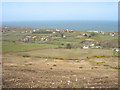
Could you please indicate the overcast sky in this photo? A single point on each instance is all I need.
(36, 11)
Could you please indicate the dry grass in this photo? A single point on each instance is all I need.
(71, 53)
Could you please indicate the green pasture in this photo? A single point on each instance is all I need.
(17, 47)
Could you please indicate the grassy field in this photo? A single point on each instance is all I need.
(17, 47)
(103, 37)
(69, 53)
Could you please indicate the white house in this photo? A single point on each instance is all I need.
(54, 32)
(112, 34)
(44, 39)
(84, 34)
(96, 31)
(102, 32)
(117, 49)
(85, 47)
(98, 47)
(28, 36)
(34, 30)
(57, 30)
(64, 36)
(92, 44)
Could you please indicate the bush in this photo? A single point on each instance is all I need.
(54, 65)
(26, 55)
(62, 43)
(116, 53)
(68, 46)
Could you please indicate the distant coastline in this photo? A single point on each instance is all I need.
(67, 24)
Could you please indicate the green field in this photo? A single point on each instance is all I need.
(103, 37)
(11, 41)
(17, 47)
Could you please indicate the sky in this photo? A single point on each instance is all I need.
(59, 0)
(38, 11)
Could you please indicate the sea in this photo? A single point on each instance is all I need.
(67, 24)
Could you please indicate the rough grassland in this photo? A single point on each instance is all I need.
(70, 53)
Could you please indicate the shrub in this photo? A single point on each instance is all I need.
(62, 43)
(26, 55)
(51, 68)
(116, 53)
(54, 65)
(80, 67)
(68, 46)
(117, 67)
